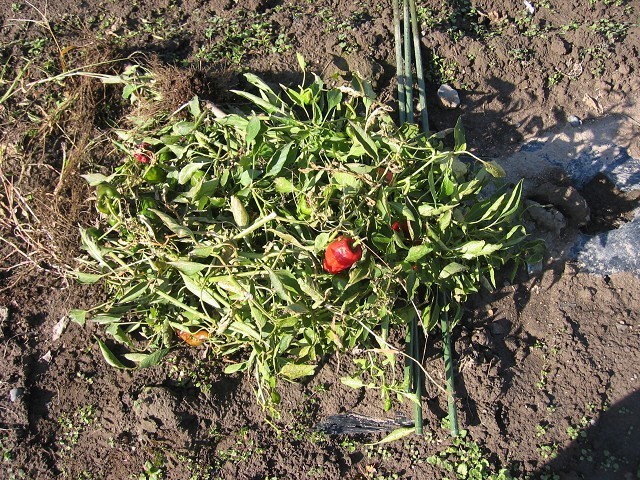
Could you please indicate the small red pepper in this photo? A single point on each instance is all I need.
(386, 175)
(341, 255)
(142, 158)
(401, 226)
(143, 153)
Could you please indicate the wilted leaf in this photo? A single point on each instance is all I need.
(78, 316)
(294, 371)
(109, 357)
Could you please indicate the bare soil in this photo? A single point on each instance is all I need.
(548, 383)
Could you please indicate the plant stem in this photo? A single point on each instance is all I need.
(448, 366)
(399, 63)
(408, 77)
(417, 375)
(258, 223)
(422, 89)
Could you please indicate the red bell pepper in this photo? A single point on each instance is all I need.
(341, 255)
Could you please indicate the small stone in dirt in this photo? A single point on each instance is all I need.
(16, 394)
(500, 327)
(567, 200)
(574, 121)
(482, 338)
(548, 218)
(448, 97)
(4, 315)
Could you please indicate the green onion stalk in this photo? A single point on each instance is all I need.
(413, 373)
(447, 351)
(399, 63)
(408, 76)
(422, 89)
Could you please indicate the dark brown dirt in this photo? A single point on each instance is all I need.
(548, 381)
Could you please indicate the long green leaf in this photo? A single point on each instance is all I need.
(263, 104)
(201, 292)
(365, 140)
(109, 357)
(180, 230)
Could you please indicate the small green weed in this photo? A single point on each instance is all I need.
(579, 430)
(548, 450)
(151, 472)
(233, 39)
(612, 30)
(523, 55)
(569, 27)
(72, 426)
(554, 79)
(542, 429)
(5, 452)
(611, 462)
(441, 70)
(466, 460)
(542, 381)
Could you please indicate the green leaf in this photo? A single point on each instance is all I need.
(458, 136)
(258, 82)
(204, 251)
(133, 293)
(431, 211)
(118, 334)
(417, 252)
(203, 293)
(95, 179)
(321, 241)
(281, 159)
(183, 128)
(109, 357)
(301, 61)
(194, 107)
(287, 238)
(188, 268)
(282, 185)
(294, 371)
(444, 221)
(244, 329)
(451, 269)
(180, 230)
(347, 180)
(253, 129)
(153, 358)
(495, 169)
(235, 367)
(92, 247)
(87, 278)
(334, 97)
(263, 104)
(105, 318)
(240, 215)
(397, 434)
(278, 286)
(365, 140)
(353, 382)
(477, 248)
(187, 172)
(78, 316)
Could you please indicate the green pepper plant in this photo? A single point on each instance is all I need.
(214, 230)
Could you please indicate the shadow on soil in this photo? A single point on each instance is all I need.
(607, 449)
